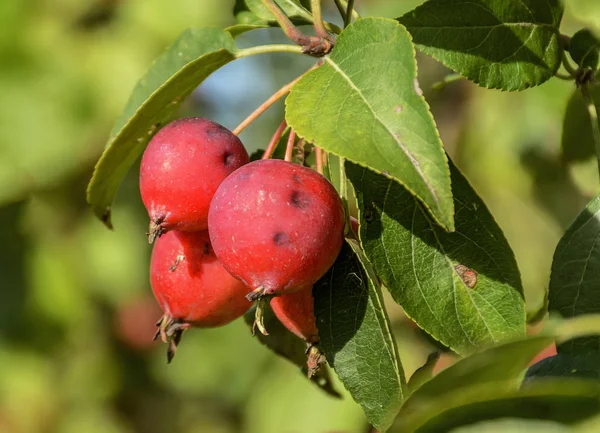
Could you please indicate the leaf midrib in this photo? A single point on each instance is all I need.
(402, 147)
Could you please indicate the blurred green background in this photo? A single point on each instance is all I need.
(77, 313)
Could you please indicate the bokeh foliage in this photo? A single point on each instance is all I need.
(77, 314)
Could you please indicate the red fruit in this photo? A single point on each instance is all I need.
(191, 286)
(181, 169)
(296, 312)
(277, 226)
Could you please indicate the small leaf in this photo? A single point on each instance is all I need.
(575, 278)
(288, 346)
(577, 137)
(356, 337)
(565, 401)
(240, 29)
(424, 373)
(171, 78)
(583, 365)
(494, 43)
(584, 49)
(499, 364)
(463, 288)
(508, 425)
(364, 104)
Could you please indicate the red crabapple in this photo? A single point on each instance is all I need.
(192, 287)
(277, 226)
(296, 312)
(181, 169)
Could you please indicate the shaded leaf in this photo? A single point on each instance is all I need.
(240, 29)
(509, 425)
(502, 363)
(565, 401)
(364, 104)
(575, 278)
(463, 288)
(171, 78)
(584, 49)
(424, 373)
(577, 141)
(285, 344)
(356, 337)
(583, 365)
(499, 44)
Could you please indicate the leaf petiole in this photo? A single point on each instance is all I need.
(593, 112)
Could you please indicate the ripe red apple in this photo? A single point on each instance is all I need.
(192, 287)
(181, 169)
(296, 312)
(277, 226)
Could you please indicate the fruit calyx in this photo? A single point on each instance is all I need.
(170, 331)
(314, 359)
(155, 229)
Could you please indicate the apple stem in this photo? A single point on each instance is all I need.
(265, 105)
(275, 140)
(319, 24)
(319, 158)
(290, 146)
(316, 46)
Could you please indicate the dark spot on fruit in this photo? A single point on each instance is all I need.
(468, 275)
(280, 238)
(296, 178)
(206, 248)
(299, 200)
(228, 159)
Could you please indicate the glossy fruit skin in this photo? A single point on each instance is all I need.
(191, 285)
(296, 312)
(181, 169)
(277, 226)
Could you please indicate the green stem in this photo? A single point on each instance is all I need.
(265, 49)
(290, 30)
(567, 65)
(564, 76)
(450, 78)
(344, 194)
(341, 9)
(593, 112)
(315, 6)
(349, 13)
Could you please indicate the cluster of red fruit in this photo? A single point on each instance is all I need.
(229, 231)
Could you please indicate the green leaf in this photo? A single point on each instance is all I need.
(240, 29)
(509, 425)
(424, 373)
(577, 137)
(171, 78)
(463, 288)
(356, 337)
(502, 363)
(584, 49)
(288, 346)
(575, 277)
(498, 44)
(364, 104)
(583, 365)
(564, 401)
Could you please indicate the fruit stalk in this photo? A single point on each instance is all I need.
(265, 105)
(290, 146)
(275, 140)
